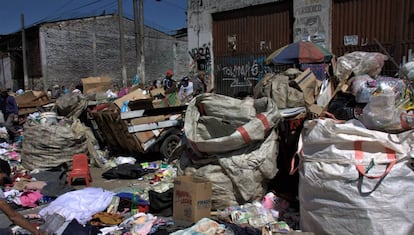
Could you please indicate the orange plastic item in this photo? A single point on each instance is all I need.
(80, 169)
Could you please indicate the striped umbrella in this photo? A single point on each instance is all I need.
(300, 53)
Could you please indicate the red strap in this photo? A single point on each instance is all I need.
(244, 134)
(167, 104)
(201, 109)
(359, 158)
(193, 145)
(293, 169)
(264, 120)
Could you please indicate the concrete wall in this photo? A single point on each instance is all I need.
(162, 54)
(313, 21)
(6, 80)
(75, 49)
(200, 22)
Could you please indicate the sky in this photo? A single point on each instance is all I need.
(164, 15)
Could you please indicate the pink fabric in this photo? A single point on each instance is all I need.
(29, 198)
(123, 92)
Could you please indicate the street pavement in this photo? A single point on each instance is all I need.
(99, 182)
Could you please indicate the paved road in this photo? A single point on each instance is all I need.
(99, 182)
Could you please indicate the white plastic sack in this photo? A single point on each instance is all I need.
(355, 181)
(218, 124)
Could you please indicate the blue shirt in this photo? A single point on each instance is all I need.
(9, 106)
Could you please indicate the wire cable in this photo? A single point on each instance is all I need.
(173, 4)
(44, 18)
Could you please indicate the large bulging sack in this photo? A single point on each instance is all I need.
(48, 146)
(353, 180)
(218, 124)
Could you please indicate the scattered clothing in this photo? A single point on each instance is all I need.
(30, 198)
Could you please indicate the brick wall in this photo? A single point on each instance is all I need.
(76, 49)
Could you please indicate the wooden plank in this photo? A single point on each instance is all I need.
(147, 119)
(105, 129)
(116, 131)
(152, 126)
(132, 114)
(125, 139)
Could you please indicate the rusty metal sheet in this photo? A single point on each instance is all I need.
(357, 25)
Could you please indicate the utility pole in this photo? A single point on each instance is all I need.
(137, 38)
(141, 34)
(121, 42)
(24, 55)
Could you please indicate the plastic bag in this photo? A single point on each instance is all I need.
(381, 112)
(362, 88)
(359, 63)
(407, 71)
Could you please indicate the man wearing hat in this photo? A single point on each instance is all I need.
(14, 216)
(168, 81)
(10, 111)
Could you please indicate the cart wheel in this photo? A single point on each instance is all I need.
(168, 145)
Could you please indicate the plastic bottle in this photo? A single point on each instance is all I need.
(125, 107)
(134, 204)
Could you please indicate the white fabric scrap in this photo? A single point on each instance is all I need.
(80, 204)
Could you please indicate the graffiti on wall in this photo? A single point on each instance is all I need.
(242, 74)
(202, 57)
(311, 21)
(201, 62)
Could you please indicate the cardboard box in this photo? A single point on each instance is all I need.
(192, 199)
(158, 91)
(92, 85)
(310, 86)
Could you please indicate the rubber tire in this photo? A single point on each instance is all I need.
(168, 145)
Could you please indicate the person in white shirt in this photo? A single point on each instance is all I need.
(185, 93)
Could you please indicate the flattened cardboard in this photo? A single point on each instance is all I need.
(160, 103)
(31, 99)
(144, 136)
(192, 199)
(134, 95)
